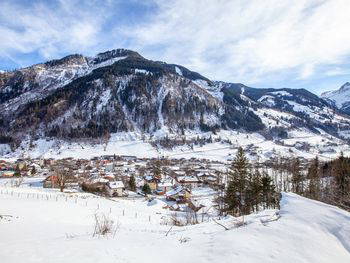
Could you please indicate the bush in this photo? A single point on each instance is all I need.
(146, 189)
(132, 183)
(104, 226)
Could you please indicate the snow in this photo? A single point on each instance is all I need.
(345, 134)
(178, 71)
(280, 93)
(274, 117)
(323, 145)
(143, 71)
(47, 225)
(116, 184)
(213, 90)
(268, 100)
(51, 78)
(5, 149)
(340, 96)
(104, 99)
(107, 62)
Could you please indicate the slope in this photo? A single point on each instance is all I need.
(46, 228)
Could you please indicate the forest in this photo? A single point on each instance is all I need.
(251, 188)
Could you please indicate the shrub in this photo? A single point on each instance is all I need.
(146, 189)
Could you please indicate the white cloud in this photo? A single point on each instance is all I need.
(337, 71)
(248, 40)
(51, 31)
(254, 42)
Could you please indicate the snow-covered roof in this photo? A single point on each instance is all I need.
(116, 184)
(165, 184)
(100, 180)
(187, 179)
(174, 191)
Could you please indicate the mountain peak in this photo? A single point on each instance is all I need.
(340, 97)
(70, 59)
(345, 87)
(115, 53)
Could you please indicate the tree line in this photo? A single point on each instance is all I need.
(247, 189)
(250, 188)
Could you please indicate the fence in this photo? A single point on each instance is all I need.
(98, 204)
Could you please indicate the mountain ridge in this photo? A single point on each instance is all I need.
(340, 97)
(79, 97)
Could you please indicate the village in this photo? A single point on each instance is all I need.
(173, 180)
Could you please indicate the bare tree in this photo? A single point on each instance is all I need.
(62, 174)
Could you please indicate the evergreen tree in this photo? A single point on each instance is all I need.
(33, 171)
(132, 183)
(17, 171)
(268, 190)
(255, 187)
(297, 177)
(146, 189)
(314, 187)
(341, 173)
(235, 196)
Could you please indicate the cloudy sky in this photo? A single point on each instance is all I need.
(269, 43)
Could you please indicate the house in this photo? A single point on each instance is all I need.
(188, 181)
(152, 182)
(8, 173)
(164, 186)
(179, 195)
(109, 167)
(207, 178)
(115, 188)
(52, 181)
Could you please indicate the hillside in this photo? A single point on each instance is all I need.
(340, 98)
(119, 97)
(46, 225)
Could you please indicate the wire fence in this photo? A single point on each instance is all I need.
(99, 204)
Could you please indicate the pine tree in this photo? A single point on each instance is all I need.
(132, 183)
(314, 187)
(254, 190)
(33, 171)
(235, 196)
(341, 174)
(146, 189)
(297, 177)
(268, 191)
(17, 171)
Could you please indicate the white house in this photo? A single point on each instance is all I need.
(115, 188)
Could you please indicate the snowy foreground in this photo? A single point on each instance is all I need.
(54, 227)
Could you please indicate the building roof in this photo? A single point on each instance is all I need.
(116, 184)
(187, 179)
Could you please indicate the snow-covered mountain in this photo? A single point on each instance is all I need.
(85, 99)
(340, 98)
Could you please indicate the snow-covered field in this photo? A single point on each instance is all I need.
(322, 145)
(53, 227)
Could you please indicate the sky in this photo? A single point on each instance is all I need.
(263, 44)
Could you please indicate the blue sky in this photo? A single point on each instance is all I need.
(270, 43)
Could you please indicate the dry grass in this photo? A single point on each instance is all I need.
(104, 226)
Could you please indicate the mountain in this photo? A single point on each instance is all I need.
(88, 99)
(340, 98)
(116, 91)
